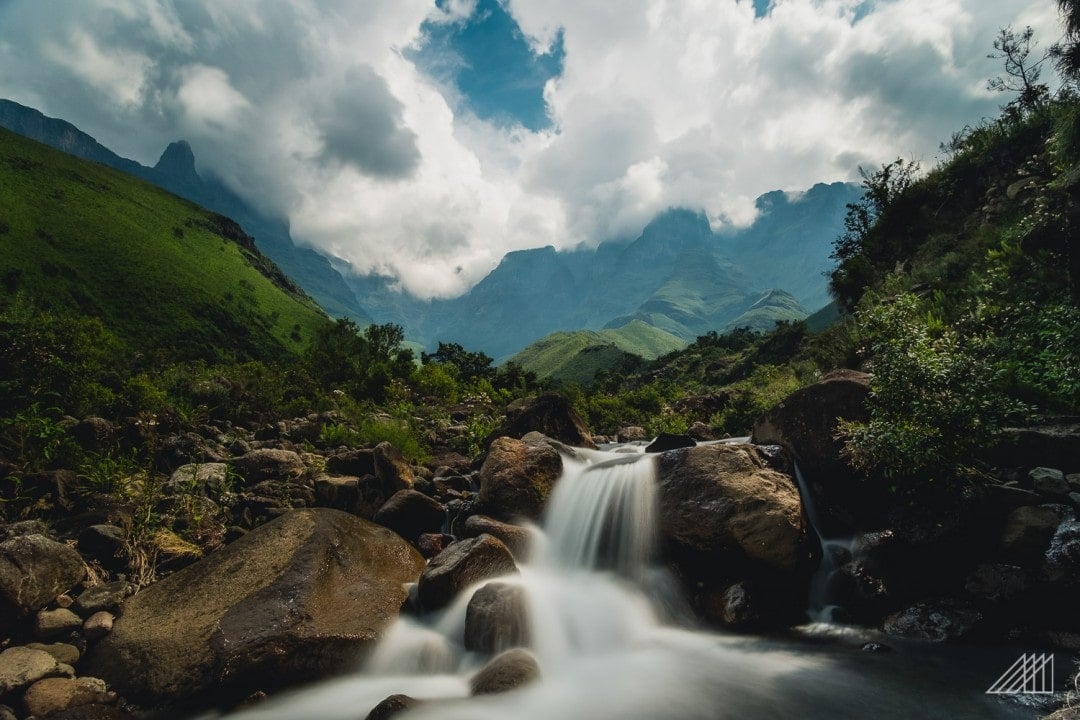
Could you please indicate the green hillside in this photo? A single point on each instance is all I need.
(577, 356)
(163, 275)
(772, 307)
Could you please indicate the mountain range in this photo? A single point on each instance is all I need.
(678, 276)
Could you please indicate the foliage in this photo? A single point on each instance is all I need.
(753, 397)
(361, 364)
(1021, 72)
(468, 365)
(397, 432)
(35, 439)
(936, 395)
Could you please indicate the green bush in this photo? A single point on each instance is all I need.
(753, 397)
(396, 432)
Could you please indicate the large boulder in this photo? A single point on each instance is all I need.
(517, 477)
(549, 413)
(725, 502)
(299, 598)
(392, 469)
(497, 618)
(805, 423)
(514, 537)
(464, 563)
(33, 571)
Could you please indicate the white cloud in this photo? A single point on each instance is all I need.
(311, 108)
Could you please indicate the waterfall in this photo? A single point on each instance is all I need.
(602, 648)
(834, 553)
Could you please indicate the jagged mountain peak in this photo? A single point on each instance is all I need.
(178, 162)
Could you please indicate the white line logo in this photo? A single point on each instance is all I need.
(1031, 674)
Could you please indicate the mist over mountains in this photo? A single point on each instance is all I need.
(678, 275)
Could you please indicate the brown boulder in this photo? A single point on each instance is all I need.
(294, 600)
(517, 477)
(514, 537)
(33, 571)
(464, 563)
(392, 469)
(410, 514)
(56, 694)
(549, 413)
(269, 464)
(723, 501)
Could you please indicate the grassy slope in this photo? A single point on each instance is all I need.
(576, 356)
(773, 306)
(156, 269)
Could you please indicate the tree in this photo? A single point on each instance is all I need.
(1021, 72)
(470, 365)
(1066, 54)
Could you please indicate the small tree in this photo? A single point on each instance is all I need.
(1021, 72)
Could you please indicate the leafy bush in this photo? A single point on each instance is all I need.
(396, 432)
(753, 397)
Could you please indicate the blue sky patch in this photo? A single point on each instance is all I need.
(761, 7)
(489, 61)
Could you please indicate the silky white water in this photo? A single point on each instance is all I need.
(595, 598)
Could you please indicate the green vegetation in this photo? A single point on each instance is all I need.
(164, 276)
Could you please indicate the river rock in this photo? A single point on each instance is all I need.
(431, 544)
(507, 671)
(631, 433)
(805, 423)
(497, 618)
(53, 695)
(269, 464)
(33, 571)
(464, 563)
(517, 477)
(64, 653)
(933, 621)
(392, 469)
(294, 600)
(54, 623)
(104, 543)
(392, 707)
(514, 537)
(723, 502)
(340, 492)
(351, 462)
(200, 477)
(107, 596)
(98, 625)
(1027, 533)
(23, 666)
(1049, 483)
(410, 514)
(549, 413)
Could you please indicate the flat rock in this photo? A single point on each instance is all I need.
(56, 623)
(107, 596)
(294, 600)
(52, 695)
(63, 652)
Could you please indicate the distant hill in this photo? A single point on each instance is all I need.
(772, 307)
(163, 274)
(176, 172)
(577, 356)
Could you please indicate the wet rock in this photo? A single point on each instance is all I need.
(391, 707)
(464, 563)
(33, 571)
(497, 618)
(22, 666)
(292, 601)
(1027, 533)
(875, 647)
(933, 621)
(514, 537)
(268, 464)
(1055, 445)
(56, 623)
(357, 463)
(723, 501)
(737, 608)
(410, 514)
(512, 669)
(53, 695)
(104, 543)
(517, 477)
(667, 441)
(431, 544)
(995, 583)
(701, 432)
(549, 413)
(107, 596)
(392, 469)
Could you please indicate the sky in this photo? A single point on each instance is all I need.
(424, 139)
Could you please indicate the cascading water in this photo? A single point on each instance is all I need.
(834, 553)
(591, 590)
